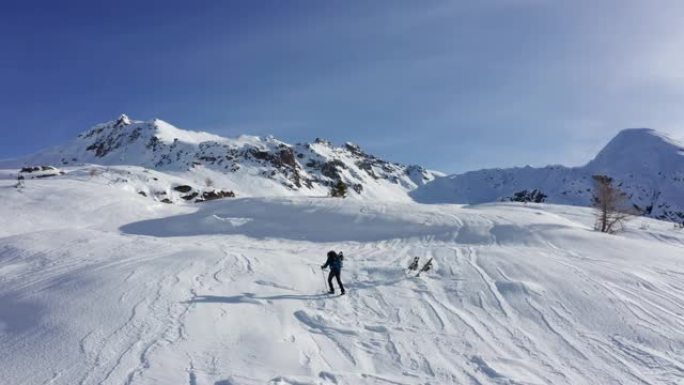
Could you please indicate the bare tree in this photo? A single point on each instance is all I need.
(612, 206)
(208, 182)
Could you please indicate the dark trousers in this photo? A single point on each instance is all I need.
(335, 274)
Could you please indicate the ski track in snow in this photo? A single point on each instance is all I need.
(514, 298)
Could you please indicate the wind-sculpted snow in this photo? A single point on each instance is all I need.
(317, 220)
(110, 289)
(336, 220)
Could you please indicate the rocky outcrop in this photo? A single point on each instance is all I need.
(215, 194)
(32, 172)
(300, 167)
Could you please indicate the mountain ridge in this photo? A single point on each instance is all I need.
(308, 168)
(645, 164)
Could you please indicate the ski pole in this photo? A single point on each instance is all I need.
(325, 285)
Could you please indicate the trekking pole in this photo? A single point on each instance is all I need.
(325, 284)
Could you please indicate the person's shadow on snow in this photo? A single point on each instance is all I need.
(252, 298)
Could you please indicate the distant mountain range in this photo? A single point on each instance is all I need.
(646, 165)
(248, 165)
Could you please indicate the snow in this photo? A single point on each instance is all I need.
(646, 165)
(168, 133)
(639, 150)
(99, 285)
(248, 165)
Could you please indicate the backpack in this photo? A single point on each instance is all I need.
(336, 263)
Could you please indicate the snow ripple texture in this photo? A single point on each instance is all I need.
(100, 289)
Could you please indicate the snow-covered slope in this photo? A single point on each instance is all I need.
(646, 165)
(97, 287)
(248, 165)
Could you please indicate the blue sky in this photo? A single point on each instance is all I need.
(452, 86)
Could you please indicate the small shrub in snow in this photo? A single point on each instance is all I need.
(216, 194)
(525, 196)
(339, 190)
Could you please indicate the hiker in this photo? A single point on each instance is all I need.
(335, 263)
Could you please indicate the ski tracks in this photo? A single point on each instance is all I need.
(154, 321)
(468, 321)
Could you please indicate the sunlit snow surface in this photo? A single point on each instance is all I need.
(99, 285)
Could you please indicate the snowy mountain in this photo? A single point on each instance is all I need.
(103, 288)
(646, 165)
(248, 165)
(102, 282)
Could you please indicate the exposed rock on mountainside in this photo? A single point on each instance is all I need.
(246, 161)
(39, 172)
(646, 165)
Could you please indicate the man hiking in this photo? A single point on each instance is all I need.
(335, 263)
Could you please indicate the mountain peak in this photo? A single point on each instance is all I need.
(248, 164)
(638, 136)
(636, 149)
(646, 165)
(637, 131)
(122, 120)
(641, 136)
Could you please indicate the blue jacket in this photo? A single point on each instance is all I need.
(335, 262)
